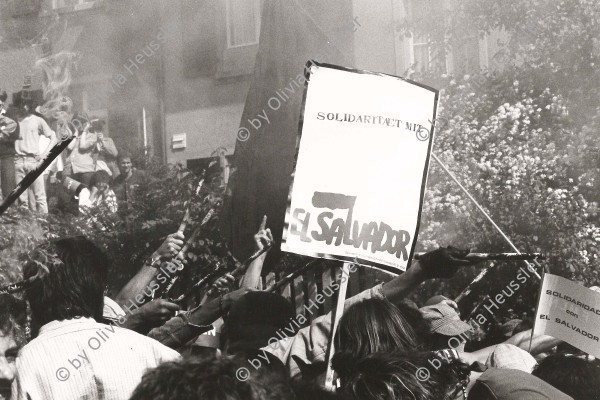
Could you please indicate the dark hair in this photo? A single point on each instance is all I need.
(308, 391)
(70, 279)
(3, 96)
(13, 318)
(100, 177)
(397, 375)
(214, 378)
(254, 319)
(572, 375)
(374, 325)
(123, 154)
(96, 124)
(268, 374)
(29, 103)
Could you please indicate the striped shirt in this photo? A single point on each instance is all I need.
(83, 359)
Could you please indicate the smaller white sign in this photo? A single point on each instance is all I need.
(569, 312)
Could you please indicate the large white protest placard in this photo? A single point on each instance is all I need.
(569, 312)
(360, 176)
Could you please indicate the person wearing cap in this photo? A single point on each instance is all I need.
(9, 132)
(309, 344)
(509, 356)
(28, 155)
(512, 384)
(444, 323)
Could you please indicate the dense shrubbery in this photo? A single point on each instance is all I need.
(127, 239)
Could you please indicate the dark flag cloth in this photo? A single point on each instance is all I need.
(292, 33)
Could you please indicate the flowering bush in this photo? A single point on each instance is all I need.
(523, 140)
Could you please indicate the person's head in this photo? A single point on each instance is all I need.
(96, 125)
(100, 180)
(68, 277)
(78, 122)
(12, 338)
(512, 357)
(446, 330)
(215, 379)
(124, 162)
(27, 106)
(311, 373)
(512, 384)
(400, 375)
(573, 375)
(254, 320)
(374, 325)
(268, 374)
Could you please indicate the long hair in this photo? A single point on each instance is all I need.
(70, 277)
(374, 325)
(402, 375)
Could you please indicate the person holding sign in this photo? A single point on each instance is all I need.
(310, 344)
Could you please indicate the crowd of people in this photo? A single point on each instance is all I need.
(91, 162)
(66, 339)
(63, 337)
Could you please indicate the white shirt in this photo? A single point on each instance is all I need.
(31, 128)
(57, 164)
(83, 359)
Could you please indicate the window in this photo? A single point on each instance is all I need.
(429, 50)
(465, 56)
(426, 56)
(427, 53)
(72, 3)
(238, 39)
(243, 22)
(199, 38)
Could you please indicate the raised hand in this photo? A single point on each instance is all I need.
(170, 247)
(225, 283)
(157, 312)
(263, 238)
(444, 262)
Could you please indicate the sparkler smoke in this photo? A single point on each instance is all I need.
(57, 74)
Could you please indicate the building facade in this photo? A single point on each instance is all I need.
(172, 76)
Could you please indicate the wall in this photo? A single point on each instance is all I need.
(197, 103)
